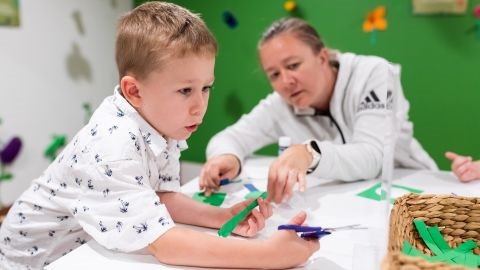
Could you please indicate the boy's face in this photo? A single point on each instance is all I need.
(174, 99)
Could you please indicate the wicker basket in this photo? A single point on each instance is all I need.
(458, 219)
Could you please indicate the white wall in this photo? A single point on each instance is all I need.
(48, 69)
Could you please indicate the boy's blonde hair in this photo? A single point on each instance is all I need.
(154, 32)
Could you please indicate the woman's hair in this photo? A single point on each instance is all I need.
(154, 32)
(303, 31)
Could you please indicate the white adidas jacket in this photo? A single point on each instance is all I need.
(351, 138)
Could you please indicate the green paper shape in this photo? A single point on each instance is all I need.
(215, 199)
(440, 243)
(460, 259)
(371, 193)
(5, 176)
(438, 239)
(427, 238)
(57, 143)
(407, 247)
(231, 224)
(253, 194)
(432, 237)
(412, 251)
(471, 260)
(452, 255)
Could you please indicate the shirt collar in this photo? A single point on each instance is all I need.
(155, 140)
(309, 111)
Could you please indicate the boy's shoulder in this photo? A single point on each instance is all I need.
(111, 134)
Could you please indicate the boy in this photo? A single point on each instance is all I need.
(117, 181)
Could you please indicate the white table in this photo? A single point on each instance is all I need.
(327, 203)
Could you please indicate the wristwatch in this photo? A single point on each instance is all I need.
(314, 150)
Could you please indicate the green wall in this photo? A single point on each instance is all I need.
(440, 61)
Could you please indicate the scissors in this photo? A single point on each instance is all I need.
(318, 232)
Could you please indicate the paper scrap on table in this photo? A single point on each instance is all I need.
(215, 199)
(375, 192)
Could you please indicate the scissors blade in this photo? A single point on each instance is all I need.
(346, 227)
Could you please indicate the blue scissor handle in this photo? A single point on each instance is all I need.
(316, 234)
(224, 182)
(300, 228)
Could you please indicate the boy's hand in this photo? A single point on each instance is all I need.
(293, 247)
(255, 221)
(286, 171)
(216, 169)
(463, 167)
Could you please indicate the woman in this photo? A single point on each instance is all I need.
(333, 106)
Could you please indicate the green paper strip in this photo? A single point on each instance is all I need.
(455, 253)
(253, 194)
(412, 251)
(425, 235)
(441, 244)
(407, 247)
(432, 237)
(231, 224)
(438, 239)
(471, 260)
(215, 199)
(460, 259)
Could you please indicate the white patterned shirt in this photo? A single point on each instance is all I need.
(102, 186)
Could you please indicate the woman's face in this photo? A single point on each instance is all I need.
(303, 78)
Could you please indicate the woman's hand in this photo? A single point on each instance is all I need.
(287, 170)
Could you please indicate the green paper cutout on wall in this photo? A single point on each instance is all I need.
(215, 199)
(57, 143)
(371, 193)
(88, 111)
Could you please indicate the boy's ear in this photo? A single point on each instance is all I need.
(130, 90)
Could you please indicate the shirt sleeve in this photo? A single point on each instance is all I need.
(118, 211)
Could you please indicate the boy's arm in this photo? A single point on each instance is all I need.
(183, 246)
(182, 207)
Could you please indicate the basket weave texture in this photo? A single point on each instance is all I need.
(458, 219)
